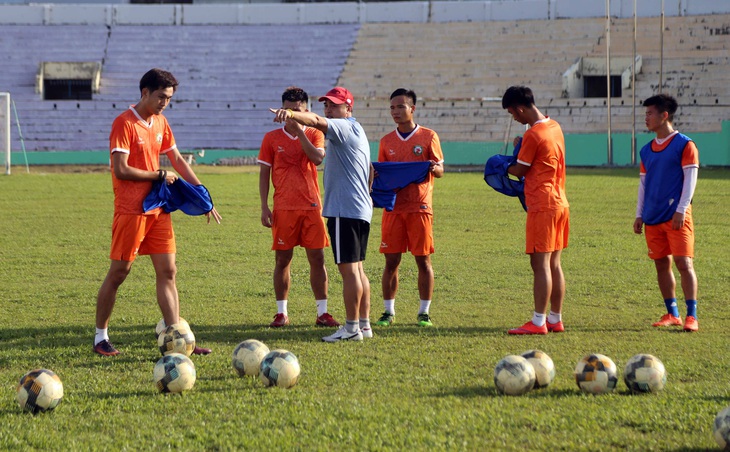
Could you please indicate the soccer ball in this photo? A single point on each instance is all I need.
(644, 373)
(596, 374)
(279, 368)
(161, 325)
(544, 367)
(247, 357)
(174, 372)
(39, 390)
(176, 338)
(514, 375)
(721, 428)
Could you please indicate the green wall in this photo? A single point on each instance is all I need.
(582, 150)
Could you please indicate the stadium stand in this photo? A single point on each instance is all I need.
(230, 74)
(462, 69)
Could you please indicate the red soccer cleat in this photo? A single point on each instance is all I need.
(555, 327)
(280, 320)
(201, 351)
(529, 328)
(690, 324)
(668, 320)
(326, 320)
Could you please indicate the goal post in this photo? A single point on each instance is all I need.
(5, 129)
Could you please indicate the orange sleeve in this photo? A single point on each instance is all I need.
(690, 155)
(528, 150)
(266, 151)
(381, 149)
(316, 137)
(436, 152)
(168, 139)
(120, 136)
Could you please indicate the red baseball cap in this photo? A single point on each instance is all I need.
(338, 95)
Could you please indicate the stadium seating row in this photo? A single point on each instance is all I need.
(230, 74)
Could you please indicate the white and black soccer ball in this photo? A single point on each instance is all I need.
(39, 390)
(247, 357)
(177, 338)
(543, 365)
(174, 373)
(279, 368)
(596, 374)
(161, 325)
(645, 373)
(514, 375)
(721, 429)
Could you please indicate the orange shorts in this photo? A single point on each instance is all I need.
(401, 232)
(298, 227)
(547, 231)
(134, 235)
(663, 241)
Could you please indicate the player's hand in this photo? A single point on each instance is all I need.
(281, 114)
(638, 224)
(266, 217)
(516, 142)
(677, 221)
(216, 216)
(171, 177)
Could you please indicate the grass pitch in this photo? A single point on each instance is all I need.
(408, 387)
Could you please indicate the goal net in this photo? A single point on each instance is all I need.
(5, 130)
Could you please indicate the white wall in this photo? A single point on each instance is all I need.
(111, 13)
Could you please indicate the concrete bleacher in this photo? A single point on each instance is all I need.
(229, 76)
(462, 69)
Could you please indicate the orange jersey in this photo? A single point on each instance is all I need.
(421, 145)
(294, 176)
(144, 142)
(543, 150)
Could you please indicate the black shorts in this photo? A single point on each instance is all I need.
(349, 239)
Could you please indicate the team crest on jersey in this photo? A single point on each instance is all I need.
(159, 138)
(417, 150)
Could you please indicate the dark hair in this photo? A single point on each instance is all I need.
(405, 92)
(294, 94)
(156, 79)
(663, 102)
(518, 95)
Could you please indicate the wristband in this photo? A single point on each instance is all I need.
(160, 174)
(291, 112)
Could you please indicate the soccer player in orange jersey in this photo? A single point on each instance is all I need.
(289, 158)
(541, 161)
(667, 180)
(138, 137)
(410, 225)
(348, 206)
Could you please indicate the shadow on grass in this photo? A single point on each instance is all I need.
(491, 391)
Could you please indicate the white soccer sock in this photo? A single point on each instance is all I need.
(321, 307)
(364, 323)
(352, 326)
(281, 306)
(101, 335)
(425, 304)
(555, 317)
(538, 319)
(389, 306)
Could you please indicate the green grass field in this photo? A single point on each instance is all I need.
(407, 388)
